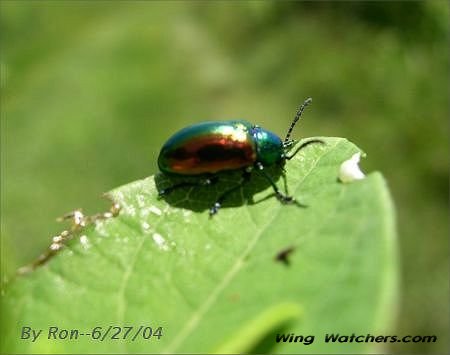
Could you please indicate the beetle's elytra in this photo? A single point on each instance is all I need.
(208, 148)
(211, 147)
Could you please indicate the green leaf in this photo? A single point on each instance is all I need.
(214, 284)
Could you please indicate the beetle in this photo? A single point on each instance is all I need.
(209, 148)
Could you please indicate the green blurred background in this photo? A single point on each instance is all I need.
(91, 90)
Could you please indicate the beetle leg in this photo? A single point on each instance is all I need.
(283, 175)
(215, 208)
(280, 196)
(202, 182)
(304, 145)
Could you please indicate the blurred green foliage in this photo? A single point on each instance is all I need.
(91, 90)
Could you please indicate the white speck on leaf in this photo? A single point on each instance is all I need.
(78, 218)
(140, 200)
(349, 170)
(145, 226)
(84, 241)
(55, 246)
(131, 210)
(160, 241)
(100, 228)
(57, 239)
(155, 210)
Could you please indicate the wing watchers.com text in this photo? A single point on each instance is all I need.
(354, 338)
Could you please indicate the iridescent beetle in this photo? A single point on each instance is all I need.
(208, 148)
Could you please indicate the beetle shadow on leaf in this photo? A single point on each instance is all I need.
(196, 196)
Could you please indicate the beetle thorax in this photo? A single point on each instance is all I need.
(269, 146)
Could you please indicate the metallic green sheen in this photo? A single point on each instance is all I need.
(211, 147)
(269, 147)
(201, 129)
(234, 137)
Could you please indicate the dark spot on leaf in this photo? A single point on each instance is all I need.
(283, 255)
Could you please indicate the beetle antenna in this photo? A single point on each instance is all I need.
(287, 141)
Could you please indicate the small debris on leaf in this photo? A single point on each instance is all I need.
(283, 255)
(350, 171)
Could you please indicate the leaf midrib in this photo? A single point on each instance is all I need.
(196, 316)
